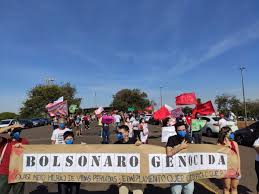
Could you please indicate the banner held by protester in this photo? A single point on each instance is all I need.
(145, 164)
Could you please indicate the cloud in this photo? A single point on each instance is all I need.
(187, 63)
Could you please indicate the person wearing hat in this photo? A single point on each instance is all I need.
(68, 187)
(5, 152)
(174, 145)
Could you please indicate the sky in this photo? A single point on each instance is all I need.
(103, 46)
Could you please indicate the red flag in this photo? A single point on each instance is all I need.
(203, 109)
(186, 99)
(162, 113)
(149, 108)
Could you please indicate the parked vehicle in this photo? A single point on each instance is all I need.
(26, 123)
(212, 125)
(152, 121)
(37, 122)
(46, 121)
(248, 135)
(7, 122)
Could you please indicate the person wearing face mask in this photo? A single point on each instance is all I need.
(226, 138)
(168, 128)
(57, 134)
(144, 131)
(68, 188)
(5, 153)
(123, 138)
(129, 124)
(174, 145)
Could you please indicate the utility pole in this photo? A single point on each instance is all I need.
(243, 91)
(95, 99)
(161, 98)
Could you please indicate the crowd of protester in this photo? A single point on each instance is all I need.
(128, 128)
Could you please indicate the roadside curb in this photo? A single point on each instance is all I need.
(206, 186)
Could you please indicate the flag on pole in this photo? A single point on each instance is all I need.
(162, 113)
(203, 109)
(58, 108)
(149, 108)
(186, 99)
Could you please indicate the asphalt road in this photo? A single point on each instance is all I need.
(41, 135)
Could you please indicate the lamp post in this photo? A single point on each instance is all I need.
(243, 91)
(161, 98)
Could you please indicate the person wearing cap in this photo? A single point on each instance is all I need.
(5, 153)
(68, 187)
(57, 134)
(176, 144)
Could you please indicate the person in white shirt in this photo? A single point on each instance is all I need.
(256, 146)
(222, 122)
(117, 120)
(144, 131)
(57, 134)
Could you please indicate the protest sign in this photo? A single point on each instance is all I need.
(167, 132)
(145, 164)
(99, 110)
(176, 113)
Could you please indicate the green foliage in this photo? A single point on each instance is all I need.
(226, 103)
(41, 95)
(130, 98)
(8, 115)
(253, 108)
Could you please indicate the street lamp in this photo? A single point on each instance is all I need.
(243, 91)
(161, 98)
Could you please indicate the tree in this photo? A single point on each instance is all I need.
(252, 108)
(225, 103)
(41, 95)
(8, 115)
(130, 98)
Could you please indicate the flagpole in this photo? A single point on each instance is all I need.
(243, 91)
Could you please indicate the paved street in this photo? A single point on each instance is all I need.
(41, 135)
